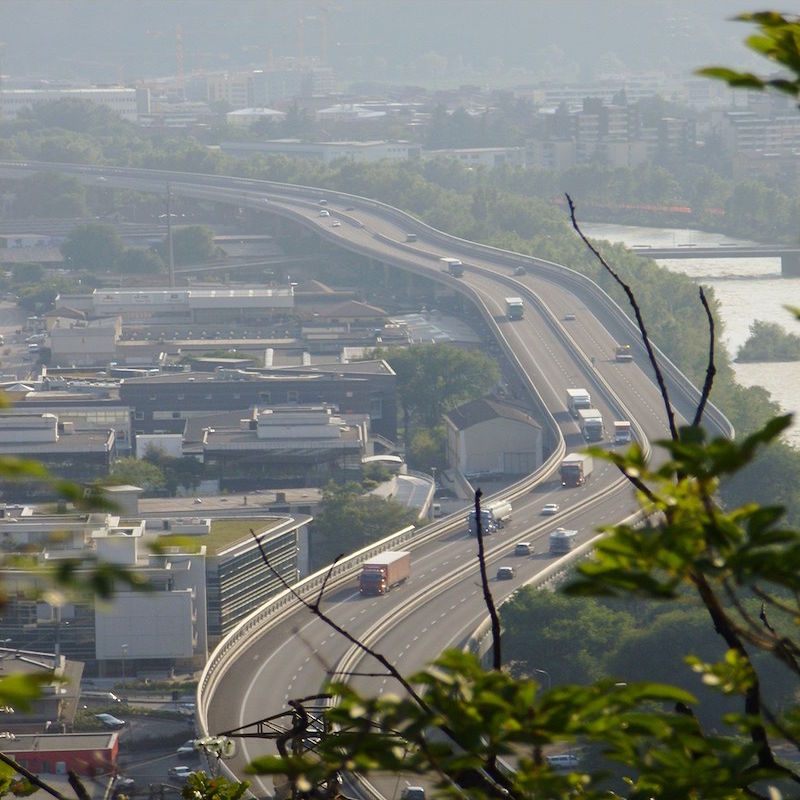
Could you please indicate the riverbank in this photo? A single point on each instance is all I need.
(747, 289)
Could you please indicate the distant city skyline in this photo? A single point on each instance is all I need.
(491, 42)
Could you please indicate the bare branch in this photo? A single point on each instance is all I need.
(315, 609)
(640, 485)
(497, 660)
(639, 319)
(77, 786)
(34, 779)
(711, 369)
(752, 699)
(493, 772)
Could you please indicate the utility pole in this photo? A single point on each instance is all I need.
(170, 251)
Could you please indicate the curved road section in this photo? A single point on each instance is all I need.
(565, 340)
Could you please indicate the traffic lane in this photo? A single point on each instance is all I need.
(448, 619)
(544, 355)
(298, 681)
(637, 386)
(299, 656)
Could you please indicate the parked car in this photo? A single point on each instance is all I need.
(565, 761)
(505, 573)
(110, 721)
(548, 509)
(523, 549)
(122, 782)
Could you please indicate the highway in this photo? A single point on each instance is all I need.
(442, 603)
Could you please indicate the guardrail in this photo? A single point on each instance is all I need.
(285, 602)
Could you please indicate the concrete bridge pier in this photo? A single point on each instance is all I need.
(790, 265)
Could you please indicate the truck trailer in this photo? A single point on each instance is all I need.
(453, 266)
(578, 399)
(515, 308)
(576, 469)
(500, 511)
(561, 540)
(622, 431)
(382, 572)
(591, 422)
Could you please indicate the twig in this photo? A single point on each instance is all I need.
(494, 774)
(315, 609)
(497, 660)
(639, 319)
(711, 369)
(752, 696)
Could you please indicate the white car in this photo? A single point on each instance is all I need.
(187, 748)
(336, 224)
(324, 212)
(548, 509)
(181, 771)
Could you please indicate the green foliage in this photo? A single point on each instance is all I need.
(347, 521)
(36, 298)
(137, 472)
(432, 379)
(50, 194)
(778, 41)
(186, 472)
(140, 261)
(190, 245)
(95, 247)
(206, 787)
(427, 449)
(768, 341)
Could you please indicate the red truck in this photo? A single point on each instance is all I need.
(382, 572)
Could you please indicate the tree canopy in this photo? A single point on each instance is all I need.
(94, 247)
(346, 521)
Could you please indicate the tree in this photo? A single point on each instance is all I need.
(435, 378)
(347, 521)
(95, 247)
(50, 194)
(140, 261)
(193, 244)
(137, 472)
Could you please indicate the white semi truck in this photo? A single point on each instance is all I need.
(591, 422)
(578, 399)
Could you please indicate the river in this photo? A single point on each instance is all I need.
(747, 289)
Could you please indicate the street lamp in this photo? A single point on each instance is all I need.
(124, 649)
(547, 675)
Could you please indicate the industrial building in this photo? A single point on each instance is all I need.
(486, 437)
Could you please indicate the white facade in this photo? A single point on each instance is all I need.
(170, 443)
(120, 100)
(365, 152)
(137, 625)
(485, 437)
(84, 343)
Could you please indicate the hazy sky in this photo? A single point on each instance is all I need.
(393, 40)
